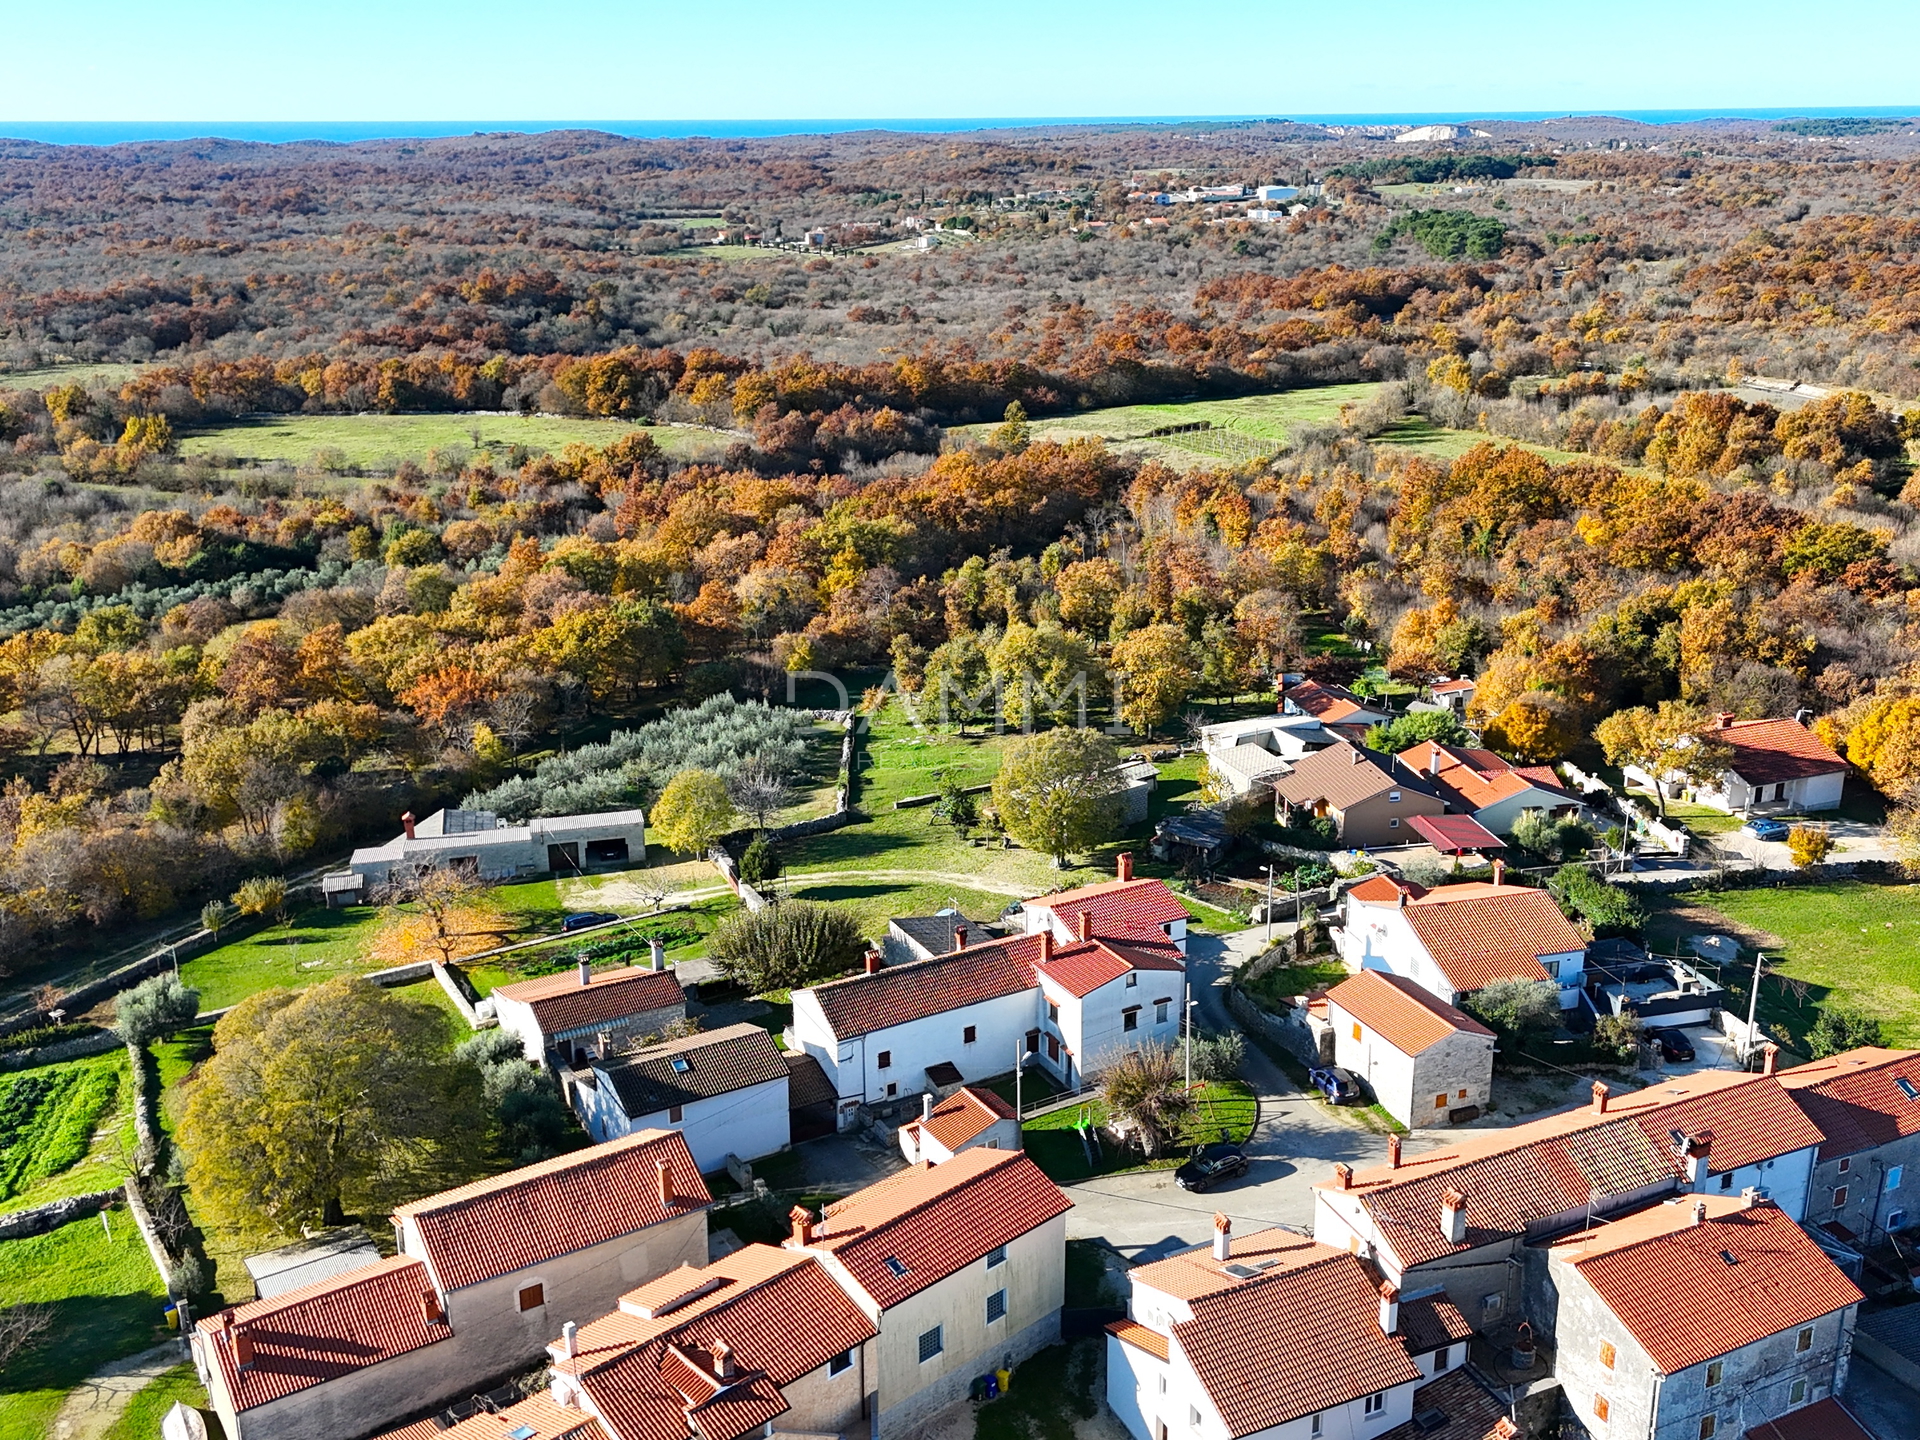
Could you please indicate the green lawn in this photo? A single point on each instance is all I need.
(149, 1405)
(65, 1129)
(684, 931)
(50, 375)
(1850, 942)
(1053, 1142)
(874, 903)
(1267, 417)
(105, 1297)
(1050, 1395)
(379, 442)
(1422, 436)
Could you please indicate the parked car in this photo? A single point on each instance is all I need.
(1672, 1044)
(1761, 828)
(1210, 1164)
(1342, 1087)
(587, 918)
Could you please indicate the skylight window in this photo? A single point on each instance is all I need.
(1727, 1255)
(521, 1432)
(680, 1064)
(894, 1264)
(1907, 1087)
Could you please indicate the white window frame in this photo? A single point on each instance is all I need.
(1376, 1404)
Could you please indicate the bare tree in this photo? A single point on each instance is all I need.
(21, 1327)
(759, 791)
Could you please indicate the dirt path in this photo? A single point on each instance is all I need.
(93, 1406)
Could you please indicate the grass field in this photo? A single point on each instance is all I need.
(1423, 437)
(380, 442)
(722, 252)
(1053, 1142)
(105, 1297)
(1851, 943)
(50, 375)
(684, 931)
(65, 1129)
(149, 1405)
(875, 903)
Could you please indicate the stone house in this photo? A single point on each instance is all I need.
(484, 1274)
(568, 1012)
(1866, 1178)
(1368, 800)
(1276, 1336)
(1426, 1061)
(960, 1267)
(967, 1118)
(1701, 1317)
(725, 1091)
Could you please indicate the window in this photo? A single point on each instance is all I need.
(1393, 797)
(1726, 1181)
(1053, 1013)
(1896, 1219)
(1376, 1403)
(1894, 1175)
(1394, 824)
(969, 1035)
(1600, 1407)
(885, 1062)
(1130, 1018)
(1709, 1426)
(1193, 1416)
(1845, 1165)
(1440, 1357)
(1803, 1342)
(1552, 967)
(1797, 1392)
(1160, 1011)
(1713, 1374)
(1356, 1029)
(1908, 1088)
(1607, 1354)
(1463, 1092)
(1317, 1430)
(1840, 1198)
(841, 1363)
(931, 1343)
(1033, 1042)
(996, 1257)
(1163, 1382)
(893, 1090)
(895, 1264)
(1133, 979)
(675, 1113)
(996, 1306)
(1440, 1102)
(532, 1297)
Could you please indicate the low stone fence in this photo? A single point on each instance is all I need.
(39, 1219)
(77, 1048)
(1291, 1035)
(391, 979)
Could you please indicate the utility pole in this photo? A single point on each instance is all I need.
(1753, 1006)
(1017, 1058)
(1186, 1024)
(1269, 905)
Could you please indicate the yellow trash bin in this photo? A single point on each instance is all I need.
(1005, 1377)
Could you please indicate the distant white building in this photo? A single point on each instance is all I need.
(1777, 765)
(1245, 755)
(1275, 194)
(477, 841)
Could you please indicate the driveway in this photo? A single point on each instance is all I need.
(1145, 1215)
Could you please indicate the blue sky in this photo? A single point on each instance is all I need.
(113, 60)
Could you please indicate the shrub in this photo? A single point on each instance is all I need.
(1618, 1035)
(1517, 1008)
(155, 1007)
(1219, 1057)
(1841, 1027)
(760, 861)
(790, 944)
(261, 895)
(1809, 845)
(1610, 909)
(1550, 839)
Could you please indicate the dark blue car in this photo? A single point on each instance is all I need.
(588, 918)
(1342, 1087)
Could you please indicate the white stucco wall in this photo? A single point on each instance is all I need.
(1000, 1025)
(746, 1123)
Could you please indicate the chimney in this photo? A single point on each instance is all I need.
(1389, 1307)
(430, 1310)
(802, 1219)
(1695, 1151)
(242, 1348)
(406, 824)
(656, 954)
(722, 1360)
(1046, 944)
(1505, 1429)
(1771, 1052)
(663, 1174)
(1499, 872)
(959, 937)
(1222, 1237)
(570, 1339)
(1399, 897)
(1358, 758)
(1453, 1217)
(873, 962)
(926, 1106)
(1393, 1152)
(1123, 867)
(1751, 1196)
(1699, 1212)
(1723, 721)
(1085, 922)
(1343, 1177)
(586, 972)
(1600, 1093)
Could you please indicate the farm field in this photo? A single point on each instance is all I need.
(77, 374)
(105, 1296)
(1851, 943)
(65, 1129)
(379, 442)
(1423, 437)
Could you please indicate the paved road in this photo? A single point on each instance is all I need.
(1145, 1216)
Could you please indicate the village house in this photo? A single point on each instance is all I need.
(1141, 912)
(1866, 1178)
(1777, 765)
(982, 1009)
(481, 844)
(1457, 1215)
(1456, 939)
(485, 1273)
(536, 1417)
(1701, 1317)
(967, 1118)
(1245, 755)
(960, 1267)
(569, 1012)
(1368, 800)
(759, 1341)
(1426, 1062)
(1333, 705)
(1277, 1336)
(1493, 791)
(725, 1091)
(1455, 695)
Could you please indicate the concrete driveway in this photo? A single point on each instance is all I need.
(1145, 1216)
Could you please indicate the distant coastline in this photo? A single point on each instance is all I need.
(122, 132)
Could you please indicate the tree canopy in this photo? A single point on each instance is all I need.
(1058, 792)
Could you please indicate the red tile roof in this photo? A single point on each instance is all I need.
(322, 1331)
(1139, 1336)
(1328, 702)
(1689, 1293)
(1403, 1014)
(932, 1220)
(537, 1414)
(562, 1005)
(1855, 1100)
(1825, 1420)
(1472, 1411)
(1120, 909)
(1455, 834)
(1081, 969)
(1480, 933)
(1471, 780)
(963, 1115)
(530, 1215)
(898, 994)
(1385, 890)
(778, 1312)
(1192, 1273)
(1450, 687)
(1292, 1342)
(1768, 751)
(1431, 1321)
(1565, 1164)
